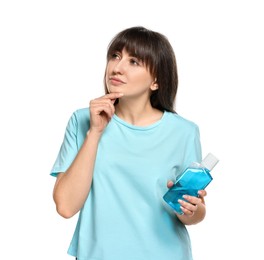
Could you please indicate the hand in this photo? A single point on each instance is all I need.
(190, 206)
(101, 111)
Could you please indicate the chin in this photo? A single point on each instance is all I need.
(114, 90)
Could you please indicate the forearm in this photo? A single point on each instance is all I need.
(72, 187)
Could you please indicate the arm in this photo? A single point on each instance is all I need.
(72, 187)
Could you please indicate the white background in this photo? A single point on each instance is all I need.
(52, 60)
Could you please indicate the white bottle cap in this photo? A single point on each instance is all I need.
(210, 161)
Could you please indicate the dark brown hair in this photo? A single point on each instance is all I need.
(155, 51)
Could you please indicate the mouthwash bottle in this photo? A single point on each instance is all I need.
(196, 177)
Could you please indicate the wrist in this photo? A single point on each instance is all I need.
(96, 135)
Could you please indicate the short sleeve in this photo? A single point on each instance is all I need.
(193, 150)
(68, 149)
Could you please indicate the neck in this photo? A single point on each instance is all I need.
(139, 114)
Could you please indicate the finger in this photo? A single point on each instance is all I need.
(170, 184)
(112, 96)
(188, 208)
(202, 193)
(188, 212)
(192, 199)
(99, 108)
(101, 102)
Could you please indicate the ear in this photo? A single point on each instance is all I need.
(154, 86)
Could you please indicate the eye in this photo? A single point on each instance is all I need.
(134, 61)
(115, 56)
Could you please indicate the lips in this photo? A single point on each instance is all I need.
(116, 81)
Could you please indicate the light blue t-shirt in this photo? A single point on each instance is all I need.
(124, 216)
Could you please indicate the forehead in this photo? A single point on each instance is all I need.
(135, 45)
(128, 49)
(138, 45)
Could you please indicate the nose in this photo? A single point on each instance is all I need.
(120, 67)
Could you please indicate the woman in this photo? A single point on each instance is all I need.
(120, 155)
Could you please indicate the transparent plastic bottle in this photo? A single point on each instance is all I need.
(196, 177)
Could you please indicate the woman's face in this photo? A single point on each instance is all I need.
(129, 76)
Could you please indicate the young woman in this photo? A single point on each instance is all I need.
(120, 156)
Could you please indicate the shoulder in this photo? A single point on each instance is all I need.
(79, 119)
(82, 114)
(178, 121)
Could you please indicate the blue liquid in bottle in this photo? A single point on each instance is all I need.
(194, 178)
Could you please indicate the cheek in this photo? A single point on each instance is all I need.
(144, 79)
(109, 67)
